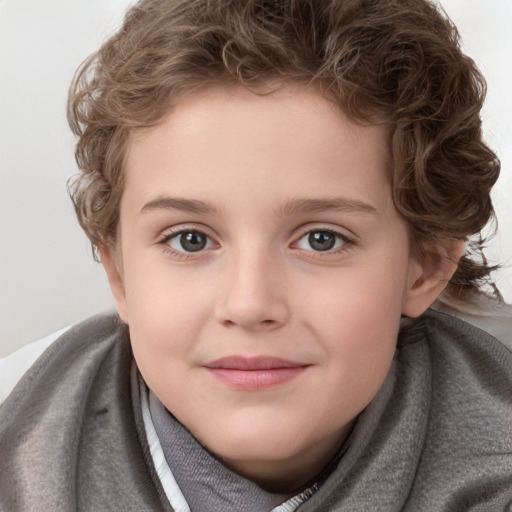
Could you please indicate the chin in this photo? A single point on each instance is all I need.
(254, 441)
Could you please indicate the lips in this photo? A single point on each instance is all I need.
(254, 373)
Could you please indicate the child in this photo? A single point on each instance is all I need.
(278, 192)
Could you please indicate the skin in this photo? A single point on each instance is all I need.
(256, 175)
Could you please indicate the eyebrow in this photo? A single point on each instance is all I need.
(320, 205)
(289, 208)
(178, 203)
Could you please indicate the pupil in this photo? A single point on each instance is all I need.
(321, 240)
(193, 241)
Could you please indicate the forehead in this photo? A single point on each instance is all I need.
(292, 141)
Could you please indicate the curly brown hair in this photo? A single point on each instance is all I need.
(393, 62)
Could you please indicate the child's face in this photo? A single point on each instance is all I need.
(263, 271)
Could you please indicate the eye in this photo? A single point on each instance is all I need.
(321, 241)
(189, 241)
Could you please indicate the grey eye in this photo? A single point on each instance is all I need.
(190, 241)
(320, 241)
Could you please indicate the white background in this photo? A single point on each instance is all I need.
(47, 276)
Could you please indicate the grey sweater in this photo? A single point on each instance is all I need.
(438, 436)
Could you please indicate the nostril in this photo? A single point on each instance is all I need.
(262, 324)
(251, 313)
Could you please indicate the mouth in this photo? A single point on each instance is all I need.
(254, 373)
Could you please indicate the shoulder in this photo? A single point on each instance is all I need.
(486, 314)
(94, 353)
(13, 366)
(88, 332)
(466, 453)
(471, 385)
(470, 367)
(73, 412)
(468, 345)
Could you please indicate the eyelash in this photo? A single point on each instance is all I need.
(182, 255)
(346, 243)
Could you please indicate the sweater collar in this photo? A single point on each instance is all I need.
(206, 483)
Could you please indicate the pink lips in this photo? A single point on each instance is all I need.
(254, 373)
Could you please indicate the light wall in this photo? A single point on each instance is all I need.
(47, 276)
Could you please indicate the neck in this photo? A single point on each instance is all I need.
(297, 472)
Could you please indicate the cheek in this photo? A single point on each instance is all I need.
(161, 293)
(358, 301)
(166, 318)
(358, 320)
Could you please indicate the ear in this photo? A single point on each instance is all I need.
(428, 278)
(115, 279)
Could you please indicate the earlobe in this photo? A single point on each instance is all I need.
(427, 279)
(115, 279)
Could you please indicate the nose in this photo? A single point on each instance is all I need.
(253, 294)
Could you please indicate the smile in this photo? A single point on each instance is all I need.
(252, 374)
